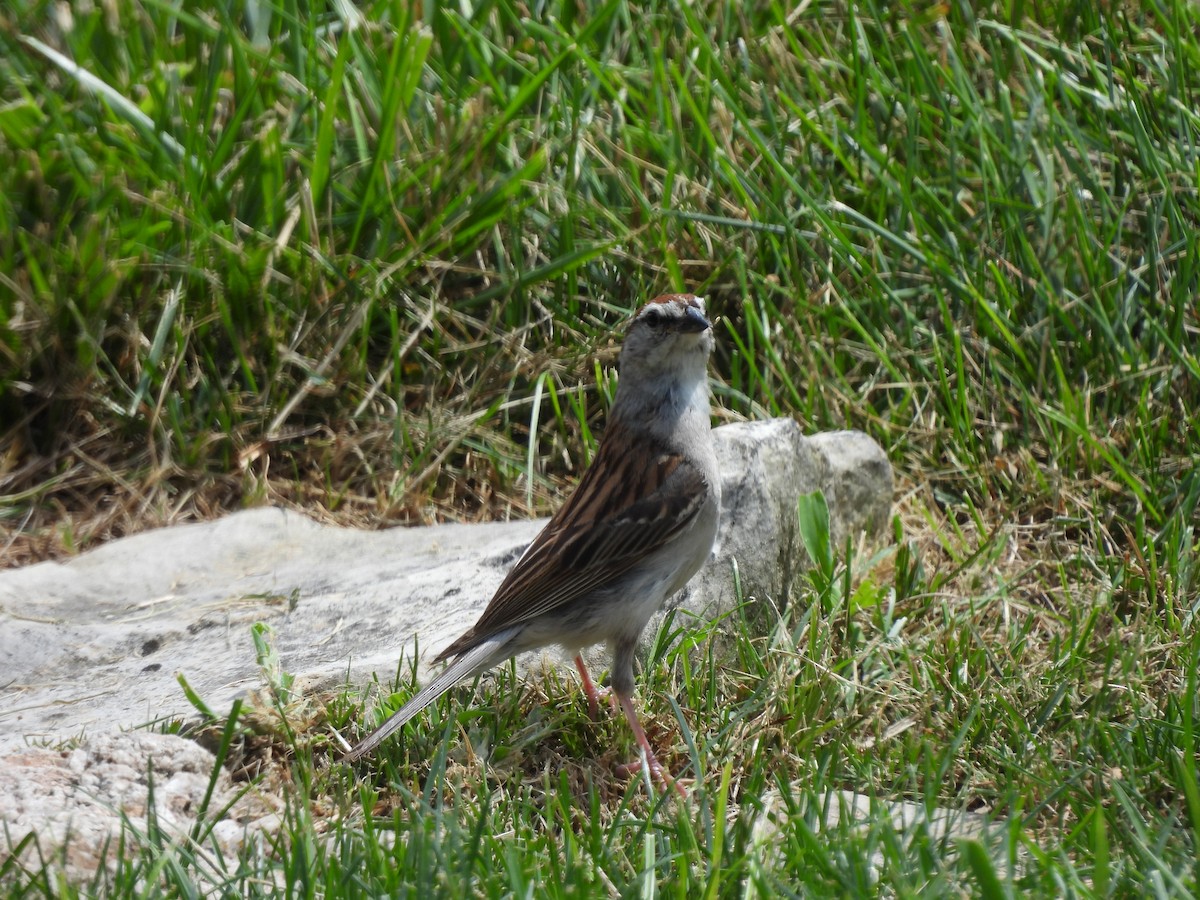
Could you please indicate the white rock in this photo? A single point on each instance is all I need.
(80, 808)
(94, 644)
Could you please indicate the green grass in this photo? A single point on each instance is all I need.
(372, 265)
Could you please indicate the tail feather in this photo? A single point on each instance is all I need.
(479, 658)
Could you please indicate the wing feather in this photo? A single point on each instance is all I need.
(603, 530)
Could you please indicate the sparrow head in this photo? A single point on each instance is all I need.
(670, 335)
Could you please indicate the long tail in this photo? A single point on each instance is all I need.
(480, 657)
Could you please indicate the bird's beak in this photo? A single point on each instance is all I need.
(695, 321)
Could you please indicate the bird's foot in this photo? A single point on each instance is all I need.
(657, 770)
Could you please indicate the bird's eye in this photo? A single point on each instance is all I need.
(654, 318)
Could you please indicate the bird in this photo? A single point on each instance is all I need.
(640, 523)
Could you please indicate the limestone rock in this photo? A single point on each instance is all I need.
(76, 801)
(94, 644)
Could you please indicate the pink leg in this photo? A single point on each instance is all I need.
(656, 768)
(593, 696)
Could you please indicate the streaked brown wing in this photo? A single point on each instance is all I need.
(601, 532)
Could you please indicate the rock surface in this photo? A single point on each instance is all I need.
(95, 643)
(75, 801)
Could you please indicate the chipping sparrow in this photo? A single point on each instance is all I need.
(641, 522)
